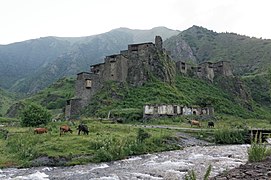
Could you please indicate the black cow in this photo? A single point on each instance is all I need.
(83, 128)
(211, 124)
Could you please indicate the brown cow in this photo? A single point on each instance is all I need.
(40, 130)
(64, 129)
(194, 122)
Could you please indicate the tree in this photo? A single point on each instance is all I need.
(35, 115)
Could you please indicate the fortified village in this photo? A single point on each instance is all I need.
(136, 66)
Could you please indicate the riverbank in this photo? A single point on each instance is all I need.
(257, 170)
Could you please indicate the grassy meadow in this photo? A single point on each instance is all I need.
(105, 142)
(109, 141)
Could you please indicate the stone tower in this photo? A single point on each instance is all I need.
(159, 43)
(135, 66)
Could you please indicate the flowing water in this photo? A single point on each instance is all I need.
(166, 165)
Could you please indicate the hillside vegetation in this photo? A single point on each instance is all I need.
(53, 97)
(259, 86)
(6, 100)
(125, 101)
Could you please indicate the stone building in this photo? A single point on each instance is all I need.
(162, 110)
(205, 70)
(136, 65)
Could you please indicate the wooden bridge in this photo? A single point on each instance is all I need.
(263, 134)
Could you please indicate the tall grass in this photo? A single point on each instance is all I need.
(230, 136)
(192, 175)
(258, 151)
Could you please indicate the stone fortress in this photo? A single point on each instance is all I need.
(136, 66)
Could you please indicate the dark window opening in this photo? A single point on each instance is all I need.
(155, 110)
(175, 109)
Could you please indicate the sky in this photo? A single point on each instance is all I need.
(30, 19)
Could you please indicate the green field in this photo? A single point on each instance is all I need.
(105, 142)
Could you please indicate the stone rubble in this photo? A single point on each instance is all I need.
(256, 170)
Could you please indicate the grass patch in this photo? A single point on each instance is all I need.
(230, 136)
(105, 142)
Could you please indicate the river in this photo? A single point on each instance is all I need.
(169, 165)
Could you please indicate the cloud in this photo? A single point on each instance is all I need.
(21, 20)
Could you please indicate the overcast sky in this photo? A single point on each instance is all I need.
(28, 19)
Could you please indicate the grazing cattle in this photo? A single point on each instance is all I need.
(40, 130)
(83, 128)
(194, 122)
(63, 129)
(211, 124)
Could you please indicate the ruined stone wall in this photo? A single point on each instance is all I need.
(159, 43)
(223, 68)
(115, 68)
(181, 67)
(139, 62)
(82, 86)
(73, 108)
(206, 71)
(160, 110)
(86, 86)
(147, 61)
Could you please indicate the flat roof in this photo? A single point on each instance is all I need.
(141, 44)
(84, 73)
(96, 64)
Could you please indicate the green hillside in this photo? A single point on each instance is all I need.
(53, 97)
(247, 55)
(125, 101)
(259, 86)
(6, 100)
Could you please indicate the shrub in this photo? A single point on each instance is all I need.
(230, 136)
(258, 151)
(127, 114)
(35, 115)
(142, 135)
(3, 134)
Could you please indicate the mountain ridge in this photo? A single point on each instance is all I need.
(248, 55)
(28, 69)
(40, 62)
